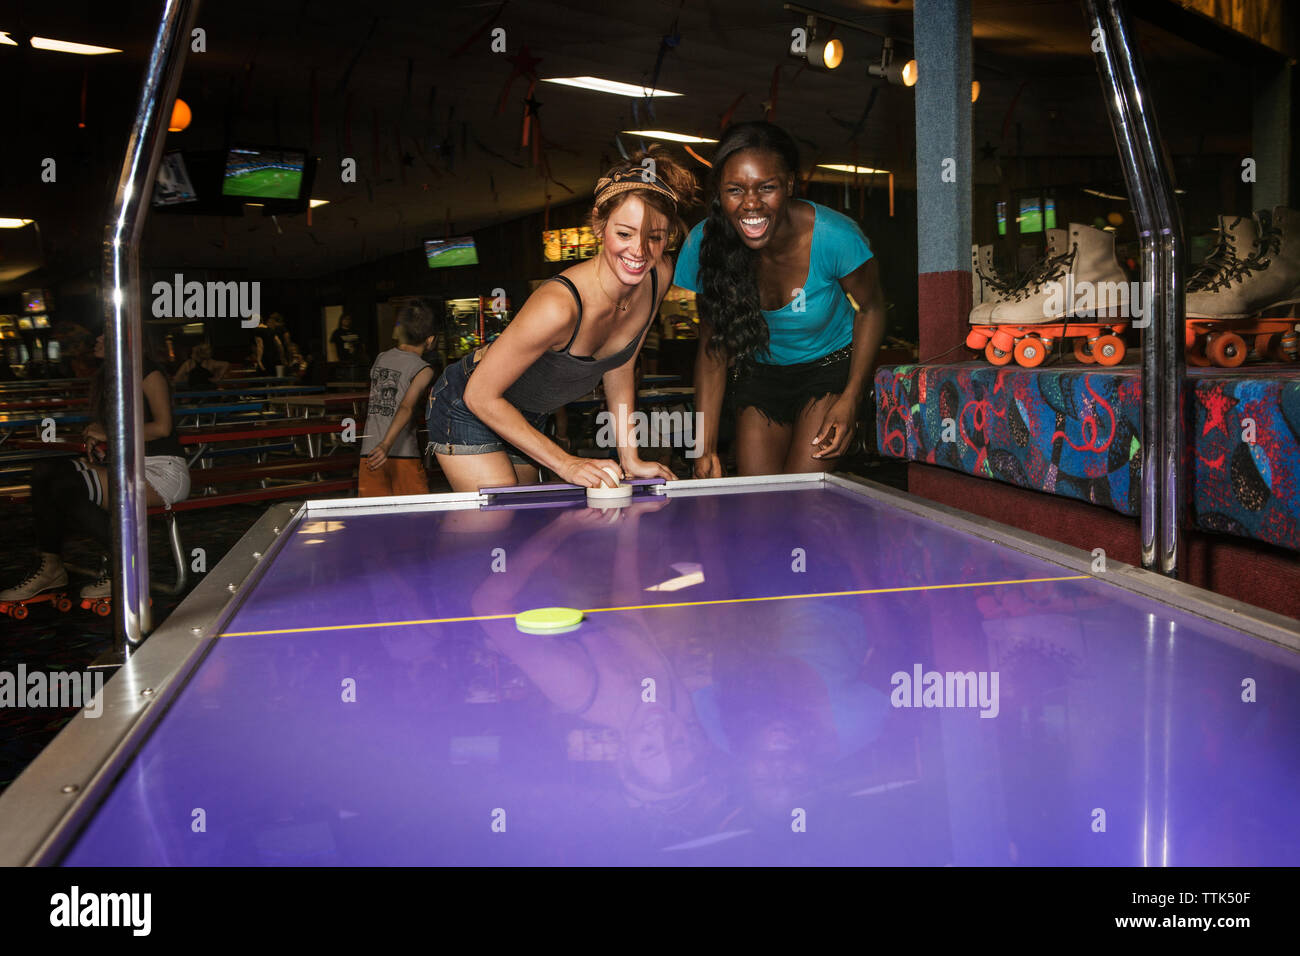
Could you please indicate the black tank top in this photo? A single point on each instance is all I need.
(557, 378)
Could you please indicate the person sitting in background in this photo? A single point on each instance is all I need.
(297, 361)
(392, 464)
(71, 494)
(200, 370)
(346, 342)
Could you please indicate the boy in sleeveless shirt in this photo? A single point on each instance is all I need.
(391, 463)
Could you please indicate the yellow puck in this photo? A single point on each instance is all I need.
(548, 620)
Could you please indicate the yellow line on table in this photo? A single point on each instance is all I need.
(652, 607)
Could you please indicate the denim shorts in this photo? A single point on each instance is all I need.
(782, 392)
(455, 430)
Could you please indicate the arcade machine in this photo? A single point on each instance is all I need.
(12, 347)
(42, 355)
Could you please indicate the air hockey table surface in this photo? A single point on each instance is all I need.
(800, 669)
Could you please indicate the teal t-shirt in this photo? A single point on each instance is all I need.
(825, 323)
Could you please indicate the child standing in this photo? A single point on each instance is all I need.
(391, 462)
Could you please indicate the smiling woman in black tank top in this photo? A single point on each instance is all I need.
(486, 411)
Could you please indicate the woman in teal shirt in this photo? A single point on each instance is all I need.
(789, 299)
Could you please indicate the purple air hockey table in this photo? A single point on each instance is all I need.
(801, 669)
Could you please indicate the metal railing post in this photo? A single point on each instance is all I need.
(1147, 172)
(123, 329)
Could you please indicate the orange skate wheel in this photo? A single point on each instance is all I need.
(1083, 351)
(1196, 355)
(1004, 340)
(976, 339)
(1288, 343)
(1031, 351)
(1189, 336)
(1227, 350)
(102, 608)
(63, 604)
(995, 355)
(1108, 350)
(1264, 345)
(18, 612)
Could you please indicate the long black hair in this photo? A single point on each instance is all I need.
(728, 274)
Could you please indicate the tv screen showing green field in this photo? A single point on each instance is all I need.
(444, 253)
(264, 173)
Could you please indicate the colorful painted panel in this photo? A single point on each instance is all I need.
(1076, 432)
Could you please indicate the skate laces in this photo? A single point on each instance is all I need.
(1047, 269)
(1270, 243)
(35, 574)
(1221, 267)
(999, 284)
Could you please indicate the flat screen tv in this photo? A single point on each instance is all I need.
(257, 173)
(1031, 215)
(445, 253)
(173, 187)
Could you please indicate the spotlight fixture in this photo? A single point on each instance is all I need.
(900, 74)
(821, 52)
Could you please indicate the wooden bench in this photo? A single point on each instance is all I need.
(199, 437)
(260, 472)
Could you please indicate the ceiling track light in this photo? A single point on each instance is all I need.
(822, 52)
(900, 74)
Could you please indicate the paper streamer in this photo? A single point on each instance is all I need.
(697, 155)
(725, 119)
(479, 33)
(524, 64)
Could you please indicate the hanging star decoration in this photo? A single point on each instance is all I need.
(524, 64)
(532, 132)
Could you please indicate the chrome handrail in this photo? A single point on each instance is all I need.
(123, 329)
(1147, 172)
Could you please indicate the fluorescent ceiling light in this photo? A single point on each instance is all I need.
(6, 39)
(318, 202)
(664, 134)
(841, 168)
(608, 86)
(14, 223)
(64, 46)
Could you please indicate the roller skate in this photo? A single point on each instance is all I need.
(1243, 299)
(97, 596)
(987, 287)
(47, 584)
(1079, 290)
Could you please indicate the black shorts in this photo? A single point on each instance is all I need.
(782, 392)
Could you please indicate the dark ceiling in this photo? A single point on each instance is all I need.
(411, 90)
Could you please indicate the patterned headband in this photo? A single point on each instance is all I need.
(638, 177)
